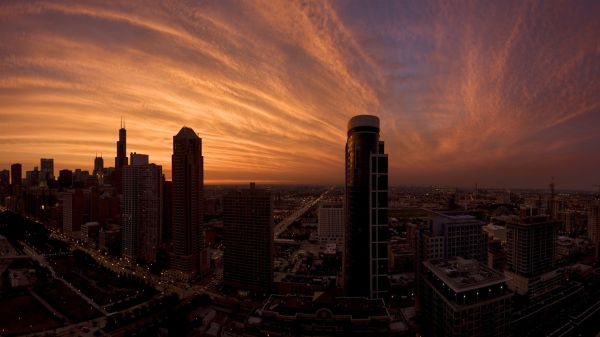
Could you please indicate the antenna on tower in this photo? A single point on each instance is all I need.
(121, 122)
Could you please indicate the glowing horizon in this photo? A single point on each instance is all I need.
(499, 94)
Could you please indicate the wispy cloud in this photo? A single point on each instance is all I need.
(269, 85)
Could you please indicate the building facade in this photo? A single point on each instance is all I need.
(188, 184)
(530, 254)
(366, 213)
(141, 209)
(248, 238)
(47, 170)
(16, 174)
(464, 298)
(593, 227)
(331, 223)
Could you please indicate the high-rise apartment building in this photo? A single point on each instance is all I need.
(331, 222)
(248, 238)
(141, 208)
(530, 252)
(464, 298)
(366, 219)
(188, 183)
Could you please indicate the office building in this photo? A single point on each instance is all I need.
(4, 185)
(331, 223)
(248, 239)
(141, 209)
(188, 183)
(464, 298)
(455, 234)
(98, 165)
(121, 158)
(16, 174)
(366, 219)
(47, 170)
(33, 177)
(65, 178)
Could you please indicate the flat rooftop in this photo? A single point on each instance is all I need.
(462, 275)
(356, 307)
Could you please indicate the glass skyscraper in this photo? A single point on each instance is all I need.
(366, 239)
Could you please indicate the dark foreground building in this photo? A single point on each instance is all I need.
(464, 298)
(366, 241)
(248, 235)
(188, 184)
(321, 316)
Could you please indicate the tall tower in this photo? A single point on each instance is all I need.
(121, 158)
(248, 234)
(366, 239)
(188, 184)
(141, 208)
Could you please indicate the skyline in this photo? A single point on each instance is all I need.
(495, 94)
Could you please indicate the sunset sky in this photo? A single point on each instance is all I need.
(499, 93)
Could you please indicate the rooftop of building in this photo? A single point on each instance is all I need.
(462, 275)
(531, 220)
(186, 132)
(356, 307)
(453, 215)
(363, 120)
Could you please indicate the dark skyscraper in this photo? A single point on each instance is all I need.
(65, 178)
(167, 222)
(47, 169)
(16, 174)
(188, 184)
(121, 158)
(98, 165)
(141, 208)
(248, 235)
(366, 239)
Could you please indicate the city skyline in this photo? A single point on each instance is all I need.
(494, 94)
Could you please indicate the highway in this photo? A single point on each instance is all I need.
(285, 223)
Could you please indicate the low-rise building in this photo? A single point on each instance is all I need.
(325, 315)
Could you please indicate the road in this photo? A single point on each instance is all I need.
(285, 223)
